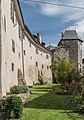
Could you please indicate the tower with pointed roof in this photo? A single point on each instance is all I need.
(73, 43)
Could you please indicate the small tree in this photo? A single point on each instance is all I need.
(63, 71)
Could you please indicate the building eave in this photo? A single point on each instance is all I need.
(19, 13)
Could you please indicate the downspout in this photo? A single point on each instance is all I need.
(0, 54)
(22, 58)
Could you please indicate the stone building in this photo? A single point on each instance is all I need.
(23, 59)
(69, 47)
(73, 43)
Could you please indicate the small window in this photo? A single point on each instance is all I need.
(47, 57)
(47, 67)
(13, 46)
(36, 51)
(19, 54)
(29, 44)
(36, 64)
(13, 13)
(24, 52)
(42, 66)
(20, 33)
(31, 57)
(12, 66)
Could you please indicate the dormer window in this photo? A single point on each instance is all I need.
(13, 13)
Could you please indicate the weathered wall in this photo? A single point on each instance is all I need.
(9, 77)
(9, 32)
(61, 53)
(30, 59)
(75, 51)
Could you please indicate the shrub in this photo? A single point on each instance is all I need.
(12, 106)
(63, 93)
(78, 103)
(24, 89)
(16, 89)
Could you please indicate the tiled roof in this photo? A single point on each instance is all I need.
(71, 34)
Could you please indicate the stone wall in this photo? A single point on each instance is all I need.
(60, 53)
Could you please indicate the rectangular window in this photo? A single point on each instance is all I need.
(47, 67)
(36, 51)
(19, 54)
(13, 13)
(42, 66)
(24, 52)
(47, 57)
(29, 44)
(13, 46)
(12, 66)
(20, 33)
(36, 64)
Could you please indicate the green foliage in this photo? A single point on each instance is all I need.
(62, 70)
(78, 103)
(63, 93)
(16, 89)
(11, 106)
(65, 73)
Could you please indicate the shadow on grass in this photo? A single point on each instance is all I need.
(49, 101)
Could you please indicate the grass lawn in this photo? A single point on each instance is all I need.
(43, 104)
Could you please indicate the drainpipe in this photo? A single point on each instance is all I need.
(22, 58)
(0, 55)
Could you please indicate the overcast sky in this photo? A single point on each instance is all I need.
(51, 20)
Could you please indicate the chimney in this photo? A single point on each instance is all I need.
(62, 34)
(43, 44)
(39, 37)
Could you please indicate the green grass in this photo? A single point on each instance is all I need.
(43, 104)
